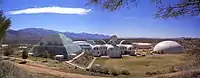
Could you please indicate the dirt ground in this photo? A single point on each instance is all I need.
(51, 71)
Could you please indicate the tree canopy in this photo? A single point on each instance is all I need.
(4, 24)
(181, 8)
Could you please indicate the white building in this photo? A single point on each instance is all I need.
(168, 47)
(111, 49)
(127, 49)
(114, 52)
(97, 50)
(85, 46)
(142, 45)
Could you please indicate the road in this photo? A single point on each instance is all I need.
(47, 70)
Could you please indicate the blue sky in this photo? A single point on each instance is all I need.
(74, 16)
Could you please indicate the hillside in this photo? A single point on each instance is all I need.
(33, 35)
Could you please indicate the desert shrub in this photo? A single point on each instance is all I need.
(153, 73)
(9, 70)
(22, 62)
(24, 54)
(95, 69)
(125, 72)
(148, 73)
(143, 55)
(104, 71)
(172, 70)
(8, 51)
(114, 72)
(100, 70)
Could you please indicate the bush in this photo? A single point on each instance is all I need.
(152, 73)
(24, 54)
(148, 73)
(23, 62)
(125, 72)
(8, 51)
(9, 70)
(104, 71)
(95, 69)
(172, 70)
(114, 72)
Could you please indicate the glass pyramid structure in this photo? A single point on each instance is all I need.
(57, 44)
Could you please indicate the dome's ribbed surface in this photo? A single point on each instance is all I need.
(168, 47)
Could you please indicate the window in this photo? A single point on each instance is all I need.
(41, 43)
(61, 44)
(49, 43)
(55, 43)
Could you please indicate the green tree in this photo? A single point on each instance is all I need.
(165, 9)
(8, 51)
(24, 55)
(4, 25)
(46, 55)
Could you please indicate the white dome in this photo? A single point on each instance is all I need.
(168, 47)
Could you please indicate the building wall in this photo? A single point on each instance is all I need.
(114, 52)
(55, 50)
(97, 51)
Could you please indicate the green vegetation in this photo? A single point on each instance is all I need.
(165, 9)
(10, 70)
(46, 55)
(140, 66)
(4, 25)
(24, 55)
(8, 51)
(83, 60)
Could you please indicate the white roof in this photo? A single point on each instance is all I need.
(109, 46)
(125, 45)
(59, 56)
(83, 44)
(105, 45)
(22, 47)
(168, 46)
(73, 54)
(142, 43)
(97, 46)
(4, 45)
(30, 53)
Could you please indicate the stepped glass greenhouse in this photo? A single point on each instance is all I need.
(57, 44)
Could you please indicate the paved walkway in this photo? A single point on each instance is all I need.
(76, 57)
(91, 63)
(75, 65)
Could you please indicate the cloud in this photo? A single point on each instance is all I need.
(53, 9)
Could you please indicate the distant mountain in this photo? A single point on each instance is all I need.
(36, 34)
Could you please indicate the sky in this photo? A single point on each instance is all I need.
(75, 16)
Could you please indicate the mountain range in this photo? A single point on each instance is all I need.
(35, 34)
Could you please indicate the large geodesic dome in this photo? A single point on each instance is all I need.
(168, 47)
(57, 44)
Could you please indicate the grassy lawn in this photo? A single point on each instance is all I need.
(139, 65)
